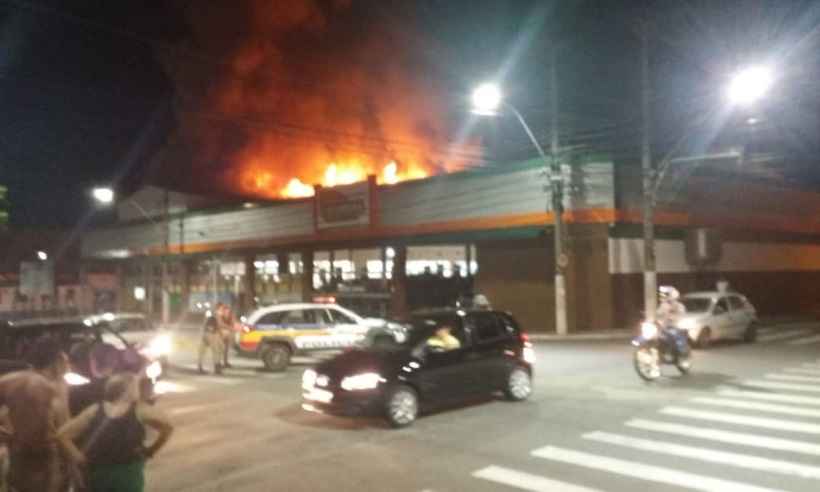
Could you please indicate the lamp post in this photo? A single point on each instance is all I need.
(745, 88)
(106, 196)
(488, 101)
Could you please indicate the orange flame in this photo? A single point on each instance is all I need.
(343, 174)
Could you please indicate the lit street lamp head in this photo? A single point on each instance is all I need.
(486, 99)
(103, 195)
(42, 255)
(750, 85)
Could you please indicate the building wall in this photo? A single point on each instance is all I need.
(778, 276)
(517, 276)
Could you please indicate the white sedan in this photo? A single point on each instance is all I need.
(716, 315)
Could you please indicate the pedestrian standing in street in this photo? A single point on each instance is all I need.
(36, 401)
(112, 436)
(211, 339)
(226, 322)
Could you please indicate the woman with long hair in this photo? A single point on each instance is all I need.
(112, 436)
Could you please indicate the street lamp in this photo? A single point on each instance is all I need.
(103, 195)
(42, 255)
(749, 85)
(487, 100)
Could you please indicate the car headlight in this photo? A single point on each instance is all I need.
(528, 354)
(74, 379)
(154, 370)
(687, 324)
(159, 346)
(364, 381)
(649, 330)
(308, 379)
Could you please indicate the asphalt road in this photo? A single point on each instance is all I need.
(746, 419)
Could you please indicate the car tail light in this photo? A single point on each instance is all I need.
(524, 337)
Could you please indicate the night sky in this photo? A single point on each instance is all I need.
(87, 97)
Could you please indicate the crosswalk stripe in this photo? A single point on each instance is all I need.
(765, 407)
(729, 437)
(783, 335)
(731, 418)
(642, 471)
(793, 377)
(706, 454)
(526, 481)
(779, 397)
(805, 341)
(802, 370)
(782, 386)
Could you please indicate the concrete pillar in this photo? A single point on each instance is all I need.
(590, 295)
(185, 267)
(398, 294)
(282, 260)
(247, 301)
(307, 276)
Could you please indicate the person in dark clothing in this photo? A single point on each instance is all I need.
(112, 436)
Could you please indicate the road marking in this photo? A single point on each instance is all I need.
(706, 454)
(731, 418)
(753, 440)
(779, 397)
(803, 370)
(766, 407)
(221, 380)
(783, 335)
(642, 471)
(792, 377)
(526, 481)
(805, 341)
(782, 386)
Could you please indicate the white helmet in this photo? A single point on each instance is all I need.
(669, 293)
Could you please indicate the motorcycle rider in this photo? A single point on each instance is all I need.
(670, 309)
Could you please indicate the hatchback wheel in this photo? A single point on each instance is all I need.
(519, 384)
(276, 357)
(705, 338)
(401, 406)
(750, 335)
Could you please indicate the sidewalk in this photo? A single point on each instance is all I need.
(626, 334)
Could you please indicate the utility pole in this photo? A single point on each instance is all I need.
(164, 289)
(557, 185)
(650, 279)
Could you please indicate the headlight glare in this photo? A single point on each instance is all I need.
(364, 381)
(308, 379)
(687, 324)
(74, 379)
(154, 370)
(159, 346)
(649, 330)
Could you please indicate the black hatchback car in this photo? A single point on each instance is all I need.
(440, 357)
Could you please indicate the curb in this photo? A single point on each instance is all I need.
(612, 335)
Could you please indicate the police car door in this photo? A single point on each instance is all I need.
(344, 329)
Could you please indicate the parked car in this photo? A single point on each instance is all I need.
(275, 333)
(82, 341)
(403, 372)
(138, 331)
(716, 315)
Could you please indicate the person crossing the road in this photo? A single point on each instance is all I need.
(226, 323)
(212, 340)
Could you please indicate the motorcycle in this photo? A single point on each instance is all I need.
(657, 345)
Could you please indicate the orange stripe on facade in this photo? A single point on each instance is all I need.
(539, 219)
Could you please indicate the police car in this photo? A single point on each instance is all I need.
(276, 333)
